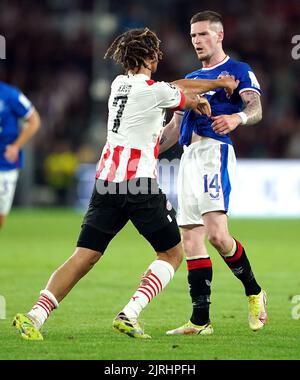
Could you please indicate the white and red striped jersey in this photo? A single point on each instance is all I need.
(137, 107)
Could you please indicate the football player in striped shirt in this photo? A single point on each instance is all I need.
(126, 187)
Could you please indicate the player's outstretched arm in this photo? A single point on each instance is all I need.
(200, 86)
(170, 133)
(31, 126)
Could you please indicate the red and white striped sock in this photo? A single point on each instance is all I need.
(157, 276)
(42, 308)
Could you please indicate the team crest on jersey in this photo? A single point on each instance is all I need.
(224, 74)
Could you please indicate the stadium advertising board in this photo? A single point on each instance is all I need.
(264, 188)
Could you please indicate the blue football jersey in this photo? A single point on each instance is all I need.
(13, 107)
(220, 104)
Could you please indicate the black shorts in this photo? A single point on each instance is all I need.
(140, 201)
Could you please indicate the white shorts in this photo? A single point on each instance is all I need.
(8, 182)
(206, 173)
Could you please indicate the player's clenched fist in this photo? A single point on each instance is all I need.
(230, 83)
(204, 106)
(11, 153)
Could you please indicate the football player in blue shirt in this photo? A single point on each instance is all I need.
(206, 174)
(19, 121)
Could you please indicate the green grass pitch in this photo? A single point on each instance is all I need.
(35, 242)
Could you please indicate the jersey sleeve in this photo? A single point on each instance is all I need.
(248, 80)
(168, 95)
(20, 105)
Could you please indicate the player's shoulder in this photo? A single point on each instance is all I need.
(8, 90)
(238, 65)
(160, 83)
(162, 88)
(138, 80)
(193, 74)
(118, 79)
(8, 87)
(159, 86)
(243, 71)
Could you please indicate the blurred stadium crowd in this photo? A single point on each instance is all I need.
(54, 53)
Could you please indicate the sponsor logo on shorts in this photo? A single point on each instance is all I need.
(169, 205)
(215, 197)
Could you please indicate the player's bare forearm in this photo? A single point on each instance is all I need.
(253, 108)
(12, 150)
(32, 125)
(170, 134)
(200, 86)
(224, 124)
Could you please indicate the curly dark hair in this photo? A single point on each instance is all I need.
(133, 47)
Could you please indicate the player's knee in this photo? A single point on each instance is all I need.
(167, 243)
(174, 256)
(85, 258)
(177, 254)
(218, 240)
(192, 246)
(187, 242)
(189, 247)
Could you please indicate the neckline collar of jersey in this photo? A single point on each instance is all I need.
(130, 73)
(218, 64)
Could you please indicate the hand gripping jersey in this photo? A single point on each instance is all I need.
(220, 104)
(13, 107)
(137, 107)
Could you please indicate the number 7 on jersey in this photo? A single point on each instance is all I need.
(121, 102)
